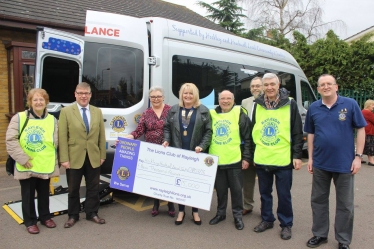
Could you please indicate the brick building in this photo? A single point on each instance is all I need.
(18, 22)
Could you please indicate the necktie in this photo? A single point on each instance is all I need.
(85, 120)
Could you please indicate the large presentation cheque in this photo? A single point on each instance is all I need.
(169, 174)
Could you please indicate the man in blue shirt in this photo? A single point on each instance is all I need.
(330, 124)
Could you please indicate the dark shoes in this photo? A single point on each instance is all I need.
(343, 246)
(197, 222)
(263, 226)
(245, 211)
(316, 241)
(154, 211)
(238, 223)
(370, 164)
(97, 220)
(179, 222)
(286, 233)
(49, 223)
(34, 229)
(217, 219)
(70, 222)
(171, 211)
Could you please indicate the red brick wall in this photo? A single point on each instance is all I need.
(7, 35)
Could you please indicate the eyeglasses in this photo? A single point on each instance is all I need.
(326, 85)
(155, 97)
(256, 86)
(83, 94)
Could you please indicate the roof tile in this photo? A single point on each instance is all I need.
(73, 12)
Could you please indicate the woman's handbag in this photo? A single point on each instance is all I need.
(9, 166)
(10, 162)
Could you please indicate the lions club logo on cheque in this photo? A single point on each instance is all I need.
(209, 161)
(123, 173)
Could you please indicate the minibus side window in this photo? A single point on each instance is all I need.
(115, 74)
(288, 81)
(307, 94)
(212, 75)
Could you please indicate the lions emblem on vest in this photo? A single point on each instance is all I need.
(123, 173)
(270, 132)
(34, 137)
(222, 132)
(118, 124)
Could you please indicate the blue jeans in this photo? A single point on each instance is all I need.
(283, 183)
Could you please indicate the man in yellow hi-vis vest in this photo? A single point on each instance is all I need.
(278, 137)
(231, 126)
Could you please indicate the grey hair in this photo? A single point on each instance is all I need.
(156, 88)
(83, 85)
(256, 78)
(271, 76)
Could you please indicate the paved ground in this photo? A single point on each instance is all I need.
(130, 225)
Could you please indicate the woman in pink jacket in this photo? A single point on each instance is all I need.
(369, 130)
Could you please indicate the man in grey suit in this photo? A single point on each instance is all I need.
(81, 140)
(249, 176)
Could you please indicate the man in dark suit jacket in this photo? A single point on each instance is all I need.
(81, 140)
(249, 175)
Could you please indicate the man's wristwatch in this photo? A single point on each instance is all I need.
(359, 155)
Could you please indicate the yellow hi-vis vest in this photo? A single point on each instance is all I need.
(272, 136)
(226, 137)
(37, 142)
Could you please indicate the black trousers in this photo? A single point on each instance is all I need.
(28, 188)
(74, 178)
(233, 179)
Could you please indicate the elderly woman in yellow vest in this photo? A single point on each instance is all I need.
(36, 157)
